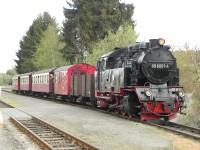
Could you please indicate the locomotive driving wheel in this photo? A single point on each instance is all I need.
(131, 105)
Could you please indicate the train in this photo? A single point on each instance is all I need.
(141, 81)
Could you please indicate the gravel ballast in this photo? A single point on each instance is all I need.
(99, 129)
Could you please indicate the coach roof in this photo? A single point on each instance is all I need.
(64, 68)
(44, 71)
(25, 74)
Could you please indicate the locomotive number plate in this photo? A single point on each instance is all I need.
(160, 66)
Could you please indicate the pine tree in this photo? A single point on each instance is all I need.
(30, 41)
(88, 21)
(47, 54)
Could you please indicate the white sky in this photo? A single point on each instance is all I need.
(175, 20)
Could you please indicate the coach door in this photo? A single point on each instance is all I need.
(30, 82)
(18, 83)
(74, 84)
(51, 82)
(83, 84)
(90, 85)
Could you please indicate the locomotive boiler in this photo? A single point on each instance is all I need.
(141, 81)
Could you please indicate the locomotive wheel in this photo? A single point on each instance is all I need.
(166, 119)
(130, 104)
(93, 102)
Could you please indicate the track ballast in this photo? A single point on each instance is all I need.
(179, 129)
(48, 137)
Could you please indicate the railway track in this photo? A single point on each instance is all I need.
(179, 129)
(175, 128)
(49, 137)
(45, 135)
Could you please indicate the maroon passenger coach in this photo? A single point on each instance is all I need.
(16, 83)
(25, 82)
(42, 81)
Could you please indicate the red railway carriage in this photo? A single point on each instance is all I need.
(15, 83)
(25, 82)
(76, 80)
(42, 81)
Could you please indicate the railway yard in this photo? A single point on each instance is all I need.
(97, 129)
(99, 75)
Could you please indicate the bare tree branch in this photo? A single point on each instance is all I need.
(194, 54)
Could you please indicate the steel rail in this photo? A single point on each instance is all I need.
(48, 137)
(31, 134)
(180, 129)
(67, 136)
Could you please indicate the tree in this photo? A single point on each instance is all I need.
(88, 21)
(30, 41)
(6, 78)
(188, 61)
(186, 69)
(124, 36)
(48, 53)
(11, 72)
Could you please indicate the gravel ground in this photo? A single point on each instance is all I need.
(13, 139)
(101, 130)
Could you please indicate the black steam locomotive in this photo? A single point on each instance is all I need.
(141, 80)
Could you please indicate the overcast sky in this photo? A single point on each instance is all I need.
(175, 20)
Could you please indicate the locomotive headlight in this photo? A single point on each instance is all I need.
(181, 94)
(148, 93)
(161, 42)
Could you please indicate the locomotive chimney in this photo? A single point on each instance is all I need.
(153, 43)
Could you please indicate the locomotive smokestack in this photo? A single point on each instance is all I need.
(153, 43)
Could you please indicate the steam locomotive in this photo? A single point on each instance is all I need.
(141, 81)
(138, 81)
